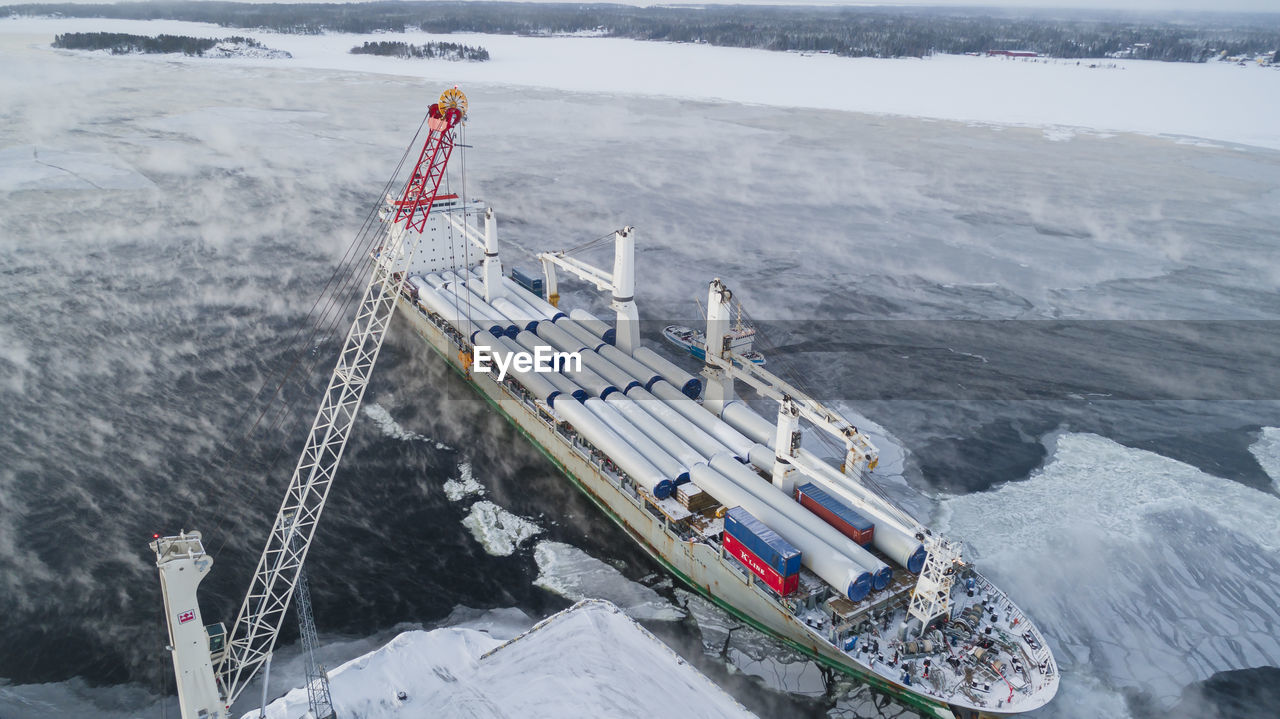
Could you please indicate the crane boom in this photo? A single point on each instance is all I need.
(265, 605)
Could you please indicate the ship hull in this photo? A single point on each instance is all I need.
(700, 566)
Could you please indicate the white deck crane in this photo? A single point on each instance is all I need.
(621, 283)
(213, 667)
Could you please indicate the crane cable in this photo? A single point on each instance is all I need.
(788, 373)
(333, 302)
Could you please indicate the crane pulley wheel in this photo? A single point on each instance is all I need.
(453, 99)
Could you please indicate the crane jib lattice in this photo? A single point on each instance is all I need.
(253, 636)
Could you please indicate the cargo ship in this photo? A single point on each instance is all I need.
(729, 501)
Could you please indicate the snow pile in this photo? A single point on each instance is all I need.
(464, 486)
(574, 574)
(1267, 452)
(590, 660)
(500, 532)
(1111, 549)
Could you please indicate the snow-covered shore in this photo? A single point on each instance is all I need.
(1214, 101)
(590, 660)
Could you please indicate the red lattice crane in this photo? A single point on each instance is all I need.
(424, 183)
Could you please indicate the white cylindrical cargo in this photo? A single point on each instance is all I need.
(541, 308)
(698, 438)
(654, 430)
(471, 305)
(565, 386)
(534, 301)
(689, 385)
(628, 364)
(558, 337)
(609, 371)
(566, 342)
(823, 560)
(749, 423)
(534, 382)
(595, 325)
(744, 477)
(594, 384)
(626, 457)
(762, 457)
(433, 301)
(711, 424)
(435, 281)
(520, 316)
(416, 282)
(521, 299)
(657, 456)
(582, 334)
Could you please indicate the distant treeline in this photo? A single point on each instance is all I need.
(123, 44)
(850, 31)
(442, 50)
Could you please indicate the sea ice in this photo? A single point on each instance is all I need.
(1267, 451)
(500, 532)
(574, 574)
(391, 428)
(1143, 572)
(464, 486)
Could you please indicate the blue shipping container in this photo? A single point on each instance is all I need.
(762, 541)
(527, 281)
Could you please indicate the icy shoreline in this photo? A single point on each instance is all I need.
(1218, 102)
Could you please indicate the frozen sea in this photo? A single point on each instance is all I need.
(1062, 339)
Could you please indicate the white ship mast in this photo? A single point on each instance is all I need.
(211, 674)
(621, 283)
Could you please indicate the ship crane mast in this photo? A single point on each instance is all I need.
(214, 667)
(621, 283)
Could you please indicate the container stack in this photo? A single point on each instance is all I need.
(761, 551)
(692, 498)
(836, 513)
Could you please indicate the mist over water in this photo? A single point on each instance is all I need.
(164, 229)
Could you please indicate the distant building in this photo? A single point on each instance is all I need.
(1014, 53)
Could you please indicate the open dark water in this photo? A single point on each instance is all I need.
(1064, 349)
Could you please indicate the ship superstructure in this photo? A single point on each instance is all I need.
(728, 500)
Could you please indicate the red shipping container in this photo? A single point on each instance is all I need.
(831, 509)
(778, 583)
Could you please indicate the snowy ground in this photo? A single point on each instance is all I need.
(1212, 101)
(588, 661)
